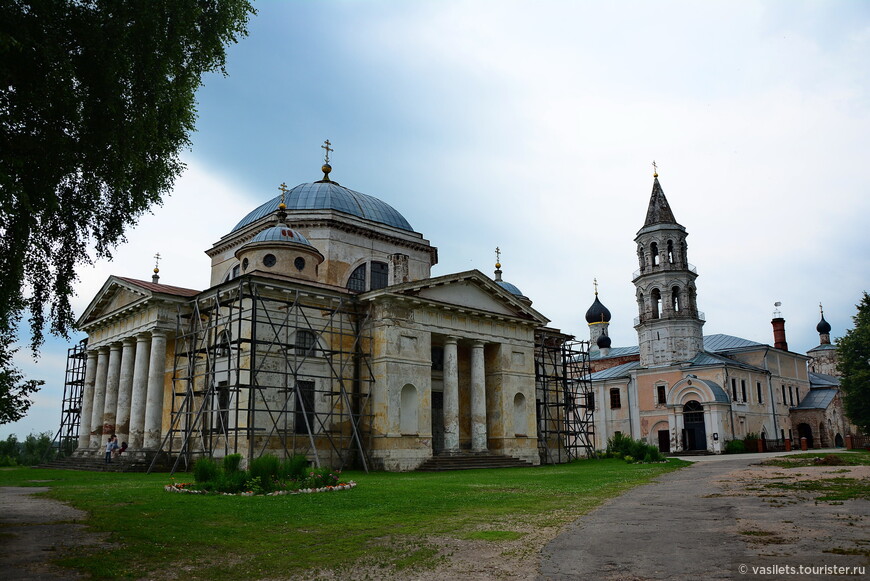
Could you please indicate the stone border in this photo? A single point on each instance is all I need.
(341, 486)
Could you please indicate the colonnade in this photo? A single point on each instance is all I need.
(123, 392)
(451, 397)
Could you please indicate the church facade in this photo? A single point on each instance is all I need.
(323, 333)
(683, 391)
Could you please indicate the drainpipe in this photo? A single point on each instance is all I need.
(770, 391)
(731, 405)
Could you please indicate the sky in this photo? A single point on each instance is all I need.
(532, 125)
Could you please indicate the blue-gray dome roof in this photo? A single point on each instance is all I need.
(331, 196)
(509, 288)
(280, 233)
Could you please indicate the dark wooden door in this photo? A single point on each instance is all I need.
(437, 421)
(665, 441)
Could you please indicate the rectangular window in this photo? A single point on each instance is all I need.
(380, 275)
(590, 401)
(743, 389)
(790, 396)
(759, 392)
(304, 416)
(733, 389)
(783, 395)
(797, 396)
(661, 396)
(615, 401)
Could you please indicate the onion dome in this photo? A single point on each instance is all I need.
(603, 341)
(823, 328)
(597, 313)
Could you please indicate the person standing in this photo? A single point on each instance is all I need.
(111, 445)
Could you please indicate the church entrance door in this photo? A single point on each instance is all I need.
(665, 441)
(694, 432)
(437, 422)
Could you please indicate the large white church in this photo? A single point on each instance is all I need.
(324, 333)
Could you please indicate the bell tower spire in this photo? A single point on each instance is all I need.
(669, 326)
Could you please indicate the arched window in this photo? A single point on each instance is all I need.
(306, 343)
(675, 299)
(408, 410)
(656, 298)
(654, 253)
(380, 275)
(671, 251)
(520, 421)
(357, 280)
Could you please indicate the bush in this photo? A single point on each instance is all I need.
(735, 447)
(231, 463)
(293, 468)
(266, 469)
(205, 471)
(621, 446)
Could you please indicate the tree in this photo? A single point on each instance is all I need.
(853, 353)
(97, 101)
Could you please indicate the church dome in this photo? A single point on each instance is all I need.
(597, 313)
(280, 233)
(823, 327)
(509, 288)
(603, 341)
(329, 195)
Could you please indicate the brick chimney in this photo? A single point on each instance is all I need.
(779, 333)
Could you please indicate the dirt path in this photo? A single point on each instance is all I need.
(707, 520)
(34, 530)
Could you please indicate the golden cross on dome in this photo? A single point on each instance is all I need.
(498, 257)
(284, 190)
(595, 284)
(328, 149)
(156, 262)
(655, 169)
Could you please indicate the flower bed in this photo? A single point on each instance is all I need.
(185, 488)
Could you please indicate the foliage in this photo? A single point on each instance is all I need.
(35, 449)
(387, 520)
(97, 102)
(735, 447)
(265, 468)
(205, 470)
(293, 468)
(631, 450)
(231, 463)
(853, 353)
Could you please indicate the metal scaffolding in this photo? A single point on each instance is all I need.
(264, 366)
(565, 402)
(66, 438)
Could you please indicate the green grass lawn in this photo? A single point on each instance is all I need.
(384, 521)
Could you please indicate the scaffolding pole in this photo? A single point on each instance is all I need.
(66, 438)
(270, 367)
(565, 404)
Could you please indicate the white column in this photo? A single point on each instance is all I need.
(140, 391)
(87, 400)
(125, 390)
(99, 398)
(113, 378)
(154, 401)
(478, 398)
(451, 396)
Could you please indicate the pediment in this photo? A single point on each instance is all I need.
(116, 295)
(470, 295)
(470, 290)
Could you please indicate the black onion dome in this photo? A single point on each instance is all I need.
(597, 313)
(823, 327)
(603, 341)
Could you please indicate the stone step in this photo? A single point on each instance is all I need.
(94, 464)
(471, 461)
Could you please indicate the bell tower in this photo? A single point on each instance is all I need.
(669, 326)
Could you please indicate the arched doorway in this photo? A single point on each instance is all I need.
(838, 441)
(805, 431)
(694, 431)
